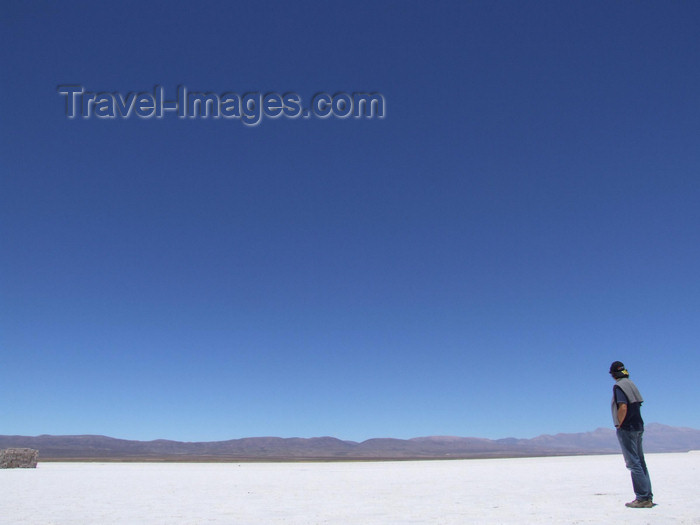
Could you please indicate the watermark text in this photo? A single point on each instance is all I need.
(250, 108)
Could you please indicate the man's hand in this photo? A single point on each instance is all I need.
(621, 412)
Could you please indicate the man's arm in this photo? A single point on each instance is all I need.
(621, 412)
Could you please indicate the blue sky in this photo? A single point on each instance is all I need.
(527, 211)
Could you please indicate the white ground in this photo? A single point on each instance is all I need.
(591, 489)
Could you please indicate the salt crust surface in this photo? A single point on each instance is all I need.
(585, 489)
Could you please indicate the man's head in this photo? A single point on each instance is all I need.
(618, 371)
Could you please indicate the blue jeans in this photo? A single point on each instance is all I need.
(631, 444)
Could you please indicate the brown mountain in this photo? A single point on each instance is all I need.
(658, 438)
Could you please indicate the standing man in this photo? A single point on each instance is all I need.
(628, 421)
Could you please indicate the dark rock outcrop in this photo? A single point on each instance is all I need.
(18, 458)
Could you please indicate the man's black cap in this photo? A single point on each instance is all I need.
(617, 366)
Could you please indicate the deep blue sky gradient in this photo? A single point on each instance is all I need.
(527, 212)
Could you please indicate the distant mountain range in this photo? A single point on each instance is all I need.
(657, 438)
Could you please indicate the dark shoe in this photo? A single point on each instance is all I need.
(640, 504)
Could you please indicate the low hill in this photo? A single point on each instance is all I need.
(657, 438)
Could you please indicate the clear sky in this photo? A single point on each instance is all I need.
(526, 212)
